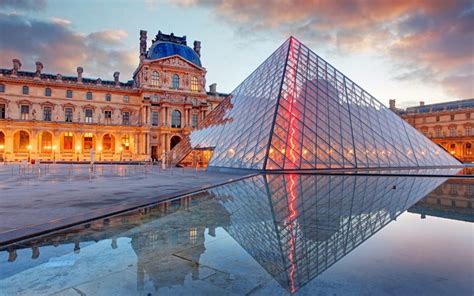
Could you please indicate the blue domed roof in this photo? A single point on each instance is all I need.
(162, 49)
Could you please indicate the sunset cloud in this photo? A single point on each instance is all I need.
(62, 50)
(427, 40)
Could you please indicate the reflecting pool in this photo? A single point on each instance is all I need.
(266, 235)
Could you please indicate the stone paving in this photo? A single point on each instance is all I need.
(35, 198)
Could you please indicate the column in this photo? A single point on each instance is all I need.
(34, 144)
(8, 150)
(185, 122)
(162, 143)
(162, 116)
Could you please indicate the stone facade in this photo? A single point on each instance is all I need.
(450, 125)
(51, 117)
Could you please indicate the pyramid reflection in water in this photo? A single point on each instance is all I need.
(297, 112)
(297, 226)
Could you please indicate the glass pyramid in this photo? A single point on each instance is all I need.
(297, 112)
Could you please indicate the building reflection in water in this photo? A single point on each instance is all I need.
(294, 226)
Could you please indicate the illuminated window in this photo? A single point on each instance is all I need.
(108, 97)
(25, 112)
(194, 120)
(126, 143)
(25, 90)
(47, 92)
(469, 149)
(176, 119)
(46, 142)
(155, 78)
(107, 143)
(68, 114)
(89, 95)
(175, 81)
(68, 141)
(194, 84)
(47, 113)
(192, 235)
(69, 93)
(2, 141)
(88, 114)
(24, 140)
(88, 141)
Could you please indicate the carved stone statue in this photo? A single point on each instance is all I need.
(16, 65)
(80, 70)
(34, 114)
(59, 77)
(116, 77)
(39, 68)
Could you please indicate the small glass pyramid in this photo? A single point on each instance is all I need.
(297, 112)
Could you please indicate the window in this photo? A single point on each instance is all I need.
(125, 118)
(88, 141)
(176, 119)
(125, 99)
(469, 149)
(452, 132)
(424, 120)
(194, 84)
(437, 132)
(24, 141)
(69, 94)
(468, 131)
(67, 141)
(47, 113)
(194, 120)
(68, 114)
(175, 81)
(25, 112)
(47, 92)
(108, 116)
(126, 142)
(195, 102)
(2, 111)
(108, 97)
(89, 95)
(2, 87)
(107, 143)
(88, 114)
(154, 118)
(46, 142)
(154, 98)
(437, 118)
(468, 115)
(155, 78)
(452, 117)
(26, 90)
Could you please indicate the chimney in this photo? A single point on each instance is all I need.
(116, 78)
(80, 70)
(392, 105)
(142, 45)
(197, 47)
(16, 66)
(39, 68)
(422, 103)
(213, 88)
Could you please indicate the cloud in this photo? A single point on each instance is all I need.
(62, 50)
(23, 4)
(432, 35)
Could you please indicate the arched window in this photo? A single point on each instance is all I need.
(108, 143)
(155, 78)
(452, 148)
(21, 141)
(468, 148)
(2, 142)
(47, 92)
(2, 87)
(174, 141)
(126, 143)
(46, 142)
(175, 81)
(68, 141)
(176, 119)
(26, 90)
(194, 84)
(88, 141)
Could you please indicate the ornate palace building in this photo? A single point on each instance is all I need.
(54, 117)
(450, 125)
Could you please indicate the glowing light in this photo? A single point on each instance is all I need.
(29, 147)
(2, 146)
(54, 147)
(290, 220)
(453, 152)
(100, 148)
(78, 148)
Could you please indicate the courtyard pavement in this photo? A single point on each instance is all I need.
(38, 198)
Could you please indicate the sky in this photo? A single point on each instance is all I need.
(410, 51)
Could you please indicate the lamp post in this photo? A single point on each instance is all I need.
(100, 153)
(54, 154)
(2, 147)
(121, 153)
(77, 152)
(29, 153)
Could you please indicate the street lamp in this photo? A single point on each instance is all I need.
(54, 153)
(29, 153)
(100, 153)
(77, 151)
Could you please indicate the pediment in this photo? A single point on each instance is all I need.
(176, 61)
